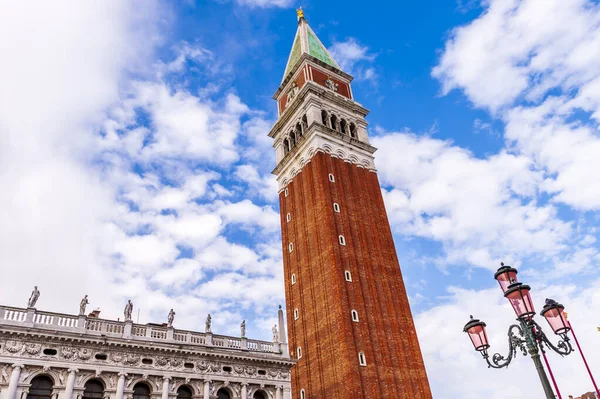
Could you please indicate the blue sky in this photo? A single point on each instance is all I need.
(135, 162)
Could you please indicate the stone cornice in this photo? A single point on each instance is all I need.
(110, 343)
(319, 138)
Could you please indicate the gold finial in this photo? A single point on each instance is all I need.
(300, 13)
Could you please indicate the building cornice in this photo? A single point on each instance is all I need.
(319, 138)
(108, 343)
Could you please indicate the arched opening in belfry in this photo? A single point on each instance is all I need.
(41, 388)
(334, 122)
(184, 392)
(325, 118)
(343, 126)
(223, 394)
(292, 139)
(299, 131)
(304, 124)
(353, 130)
(141, 391)
(286, 146)
(94, 389)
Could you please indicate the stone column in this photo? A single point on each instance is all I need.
(70, 383)
(14, 381)
(244, 391)
(287, 393)
(207, 389)
(165, 388)
(278, 394)
(121, 385)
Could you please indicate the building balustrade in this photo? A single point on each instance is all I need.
(32, 318)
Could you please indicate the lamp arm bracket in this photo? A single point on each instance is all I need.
(563, 347)
(515, 341)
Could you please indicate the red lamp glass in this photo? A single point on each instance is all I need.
(476, 331)
(505, 276)
(518, 296)
(554, 313)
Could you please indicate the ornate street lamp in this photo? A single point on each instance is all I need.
(527, 336)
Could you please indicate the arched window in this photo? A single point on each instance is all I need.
(286, 146)
(141, 391)
(342, 240)
(325, 118)
(353, 130)
(184, 392)
(334, 122)
(343, 126)
(304, 124)
(223, 394)
(354, 315)
(348, 275)
(299, 131)
(94, 389)
(299, 352)
(259, 395)
(362, 360)
(302, 394)
(293, 279)
(336, 207)
(41, 388)
(292, 139)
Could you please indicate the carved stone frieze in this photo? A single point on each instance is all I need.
(32, 348)
(72, 355)
(84, 354)
(14, 346)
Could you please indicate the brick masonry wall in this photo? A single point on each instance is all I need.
(330, 340)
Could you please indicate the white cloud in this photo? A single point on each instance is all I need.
(522, 48)
(62, 64)
(266, 3)
(509, 59)
(106, 171)
(482, 210)
(354, 58)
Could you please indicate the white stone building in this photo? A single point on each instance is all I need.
(47, 355)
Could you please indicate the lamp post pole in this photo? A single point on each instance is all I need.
(532, 348)
(527, 336)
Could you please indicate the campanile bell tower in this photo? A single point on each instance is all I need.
(349, 320)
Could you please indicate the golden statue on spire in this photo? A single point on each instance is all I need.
(300, 13)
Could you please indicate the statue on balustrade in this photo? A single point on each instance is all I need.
(84, 302)
(208, 322)
(33, 298)
(170, 318)
(275, 334)
(243, 328)
(128, 310)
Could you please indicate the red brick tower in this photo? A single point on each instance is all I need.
(349, 320)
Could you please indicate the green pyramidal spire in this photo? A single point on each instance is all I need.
(306, 41)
